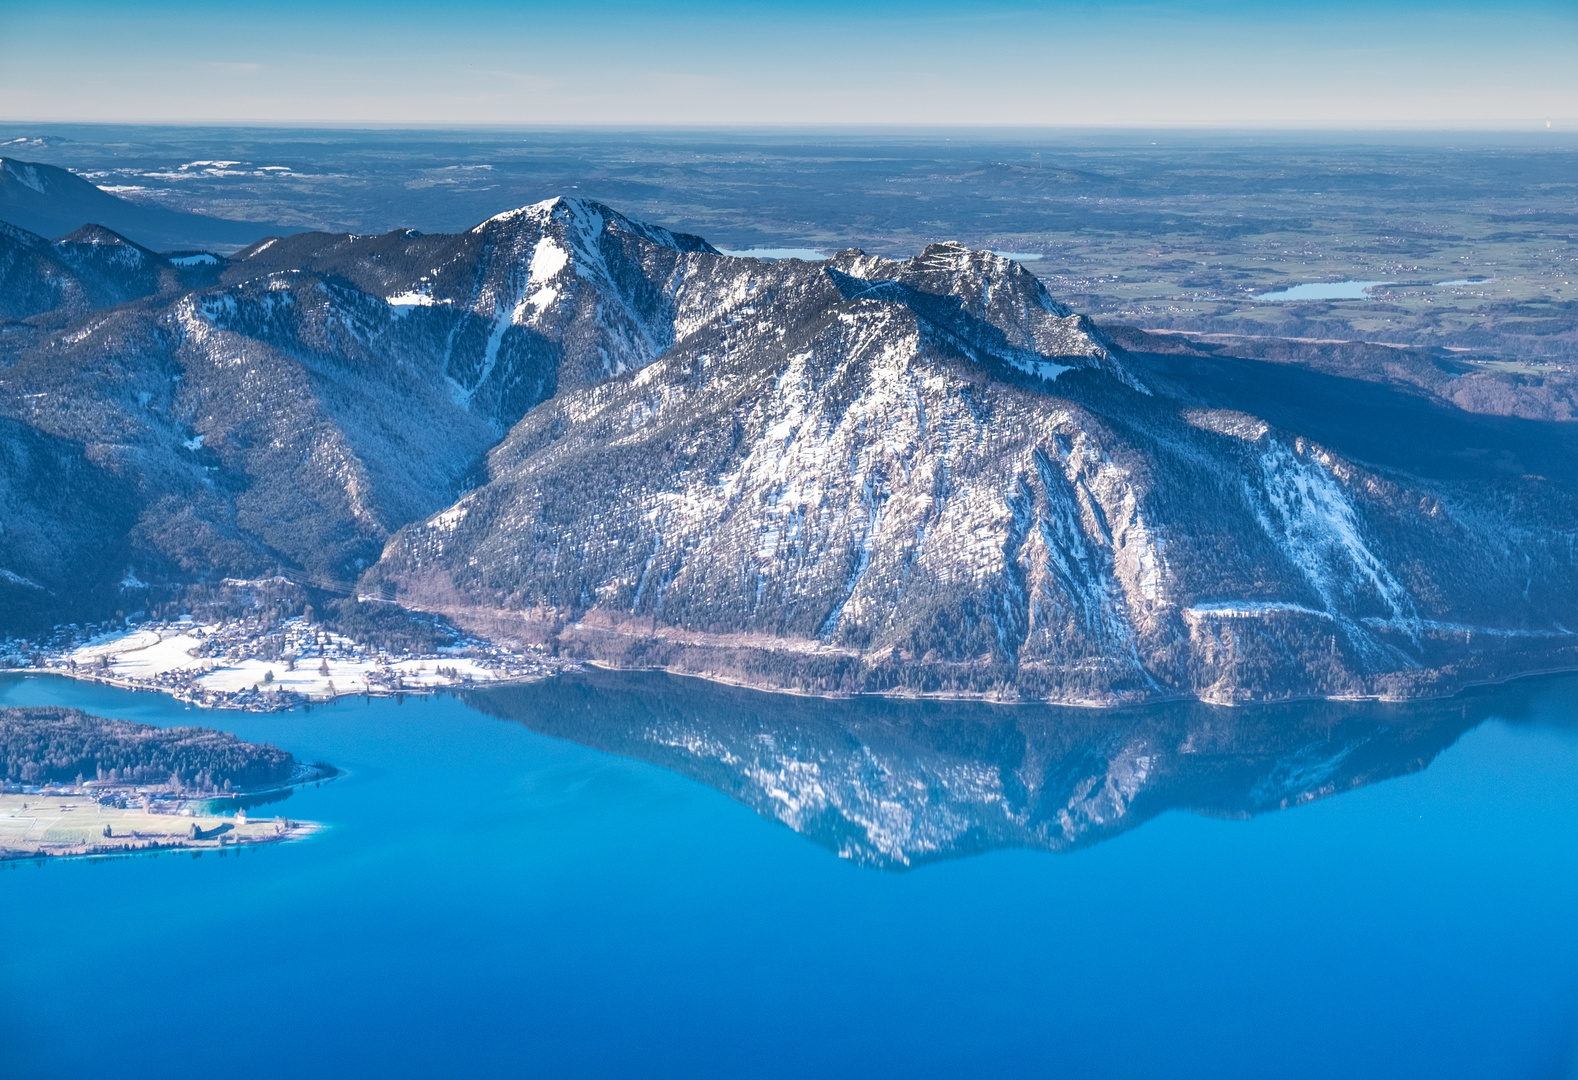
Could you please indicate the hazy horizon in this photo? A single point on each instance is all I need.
(1218, 65)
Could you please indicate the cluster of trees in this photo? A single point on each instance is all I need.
(264, 603)
(388, 626)
(56, 745)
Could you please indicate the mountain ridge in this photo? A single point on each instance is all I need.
(920, 476)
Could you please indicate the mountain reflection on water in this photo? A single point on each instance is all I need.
(897, 783)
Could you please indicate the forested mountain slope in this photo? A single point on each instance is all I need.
(863, 474)
(286, 418)
(923, 477)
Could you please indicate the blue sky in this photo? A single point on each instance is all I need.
(1225, 63)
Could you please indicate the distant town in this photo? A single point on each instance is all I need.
(264, 665)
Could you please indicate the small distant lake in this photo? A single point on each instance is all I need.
(1325, 290)
(573, 879)
(807, 254)
(1019, 256)
(1351, 290)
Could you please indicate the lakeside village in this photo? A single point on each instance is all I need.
(262, 663)
(113, 815)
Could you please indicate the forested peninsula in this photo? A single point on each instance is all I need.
(72, 783)
(49, 745)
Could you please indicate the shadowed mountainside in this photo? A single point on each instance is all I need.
(51, 201)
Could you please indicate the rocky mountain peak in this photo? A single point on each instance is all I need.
(582, 222)
(985, 304)
(99, 235)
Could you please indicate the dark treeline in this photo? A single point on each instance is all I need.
(388, 626)
(57, 745)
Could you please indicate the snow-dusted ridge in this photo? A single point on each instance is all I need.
(920, 476)
(814, 461)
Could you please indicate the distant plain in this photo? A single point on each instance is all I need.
(1163, 230)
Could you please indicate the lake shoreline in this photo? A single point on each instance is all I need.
(264, 701)
(1458, 690)
(284, 702)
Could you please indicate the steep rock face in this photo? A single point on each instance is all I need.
(925, 477)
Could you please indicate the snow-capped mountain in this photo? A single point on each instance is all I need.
(920, 475)
(565, 292)
(926, 476)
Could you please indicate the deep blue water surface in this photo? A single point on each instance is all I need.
(492, 902)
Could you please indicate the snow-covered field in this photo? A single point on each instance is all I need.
(215, 663)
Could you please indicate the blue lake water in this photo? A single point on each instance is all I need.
(491, 900)
(807, 254)
(1351, 290)
(1324, 290)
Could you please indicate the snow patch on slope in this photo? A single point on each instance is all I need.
(1304, 509)
(11, 577)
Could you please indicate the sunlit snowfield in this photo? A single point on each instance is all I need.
(489, 900)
